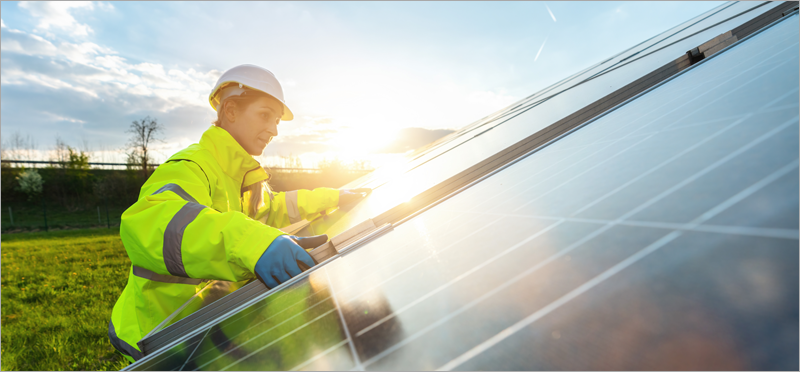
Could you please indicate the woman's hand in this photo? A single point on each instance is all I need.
(350, 196)
(282, 259)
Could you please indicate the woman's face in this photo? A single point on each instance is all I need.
(255, 125)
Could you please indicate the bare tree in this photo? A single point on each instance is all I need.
(9, 151)
(144, 133)
(291, 161)
(60, 152)
(85, 147)
(18, 147)
(30, 148)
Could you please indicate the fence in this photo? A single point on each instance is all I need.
(44, 216)
(120, 166)
(108, 193)
(94, 165)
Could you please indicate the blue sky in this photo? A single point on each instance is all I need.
(357, 75)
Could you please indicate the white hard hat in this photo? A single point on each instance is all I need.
(234, 82)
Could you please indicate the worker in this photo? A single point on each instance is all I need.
(207, 213)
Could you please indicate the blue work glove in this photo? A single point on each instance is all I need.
(286, 257)
(350, 196)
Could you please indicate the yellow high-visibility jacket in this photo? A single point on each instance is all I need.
(190, 226)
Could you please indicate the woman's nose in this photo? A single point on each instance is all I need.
(272, 128)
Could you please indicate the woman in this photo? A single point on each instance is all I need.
(207, 213)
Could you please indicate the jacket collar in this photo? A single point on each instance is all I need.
(233, 159)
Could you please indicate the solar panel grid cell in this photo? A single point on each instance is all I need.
(635, 232)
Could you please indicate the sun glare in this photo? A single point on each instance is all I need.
(362, 141)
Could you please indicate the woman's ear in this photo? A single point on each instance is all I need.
(229, 111)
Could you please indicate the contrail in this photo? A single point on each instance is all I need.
(551, 12)
(540, 50)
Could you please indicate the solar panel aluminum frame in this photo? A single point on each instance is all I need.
(256, 291)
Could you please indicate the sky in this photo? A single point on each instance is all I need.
(365, 80)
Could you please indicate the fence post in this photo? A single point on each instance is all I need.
(11, 215)
(108, 219)
(44, 212)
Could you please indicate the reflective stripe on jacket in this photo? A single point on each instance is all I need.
(189, 226)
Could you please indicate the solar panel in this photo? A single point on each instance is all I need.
(662, 235)
(499, 131)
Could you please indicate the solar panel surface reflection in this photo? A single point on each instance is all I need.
(661, 236)
(497, 132)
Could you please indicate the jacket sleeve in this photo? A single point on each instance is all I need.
(286, 208)
(171, 229)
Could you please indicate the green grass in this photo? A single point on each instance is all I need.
(58, 289)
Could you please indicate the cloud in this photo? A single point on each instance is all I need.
(322, 120)
(490, 99)
(98, 71)
(84, 53)
(298, 145)
(540, 50)
(315, 138)
(105, 6)
(20, 42)
(408, 139)
(57, 15)
(551, 12)
(63, 118)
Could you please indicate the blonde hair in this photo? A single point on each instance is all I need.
(257, 189)
(256, 197)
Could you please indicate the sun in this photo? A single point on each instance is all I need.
(362, 141)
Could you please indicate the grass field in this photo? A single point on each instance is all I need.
(58, 289)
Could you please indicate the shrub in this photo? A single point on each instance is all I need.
(30, 183)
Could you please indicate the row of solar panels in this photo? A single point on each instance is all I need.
(647, 219)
